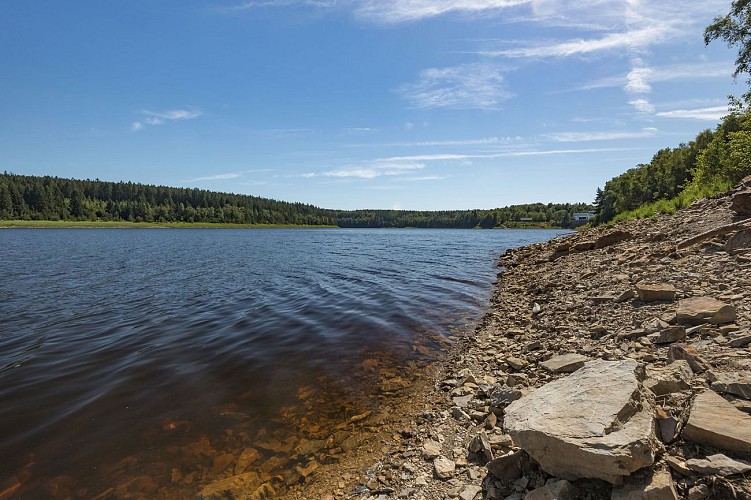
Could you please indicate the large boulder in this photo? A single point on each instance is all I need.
(698, 310)
(716, 422)
(595, 423)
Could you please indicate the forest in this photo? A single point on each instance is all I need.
(24, 197)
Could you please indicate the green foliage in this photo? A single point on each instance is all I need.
(50, 198)
(735, 29)
(711, 163)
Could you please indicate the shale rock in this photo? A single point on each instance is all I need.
(656, 293)
(716, 422)
(718, 465)
(612, 238)
(698, 310)
(738, 384)
(675, 377)
(651, 485)
(739, 242)
(565, 363)
(594, 423)
(741, 202)
(554, 490)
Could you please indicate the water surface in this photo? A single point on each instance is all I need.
(122, 349)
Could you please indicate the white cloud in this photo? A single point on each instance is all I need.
(600, 136)
(398, 11)
(161, 117)
(468, 86)
(217, 177)
(642, 106)
(637, 81)
(377, 168)
(714, 113)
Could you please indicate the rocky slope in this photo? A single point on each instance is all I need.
(614, 363)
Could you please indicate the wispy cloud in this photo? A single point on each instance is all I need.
(379, 169)
(162, 117)
(228, 175)
(713, 113)
(398, 11)
(601, 136)
(468, 86)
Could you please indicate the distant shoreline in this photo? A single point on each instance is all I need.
(68, 224)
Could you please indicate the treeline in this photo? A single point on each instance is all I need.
(529, 215)
(24, 197)
(712, 162)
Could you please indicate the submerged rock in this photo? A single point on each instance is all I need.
(594, 423)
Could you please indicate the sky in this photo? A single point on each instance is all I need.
(347, 104)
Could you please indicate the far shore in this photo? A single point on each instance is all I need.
(71, 224)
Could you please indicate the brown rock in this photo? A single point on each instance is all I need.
(741, 202)
(612, 238)
(240, 486)
(739, 242)
(698, 310)
(656, 293)
(675, 377)
(736, 383)
(669, 335)
(716, 422)
(652, 485)
(741, 341)
(554, 490)
(565, 363)
(510, 467)
(718, 465)
(689, 354)
(480, 444)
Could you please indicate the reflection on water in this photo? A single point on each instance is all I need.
(158, 362)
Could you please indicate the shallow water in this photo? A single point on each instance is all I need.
(126, 351)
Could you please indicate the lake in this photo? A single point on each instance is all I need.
(150, 361)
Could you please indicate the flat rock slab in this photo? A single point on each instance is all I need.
(595, 423)
(718, 465)
(554, 490)
(698, 310)
(564, 363)
(663, 292)
(716, 422)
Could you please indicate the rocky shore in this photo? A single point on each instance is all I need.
(614, 363)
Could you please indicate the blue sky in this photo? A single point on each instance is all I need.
(406, 104)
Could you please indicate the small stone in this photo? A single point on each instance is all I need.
(687, 353)
(554, 490)
(624, 297)
(565, 363)
(718, 465)
(655, 485)
(669, 335)
(490, 421)
(470, 492)
(431, 449)
(656, 293)
(741, 341)
(444, 468)
(508, 468)
(698, 492)
(480, 444)
(516, 363)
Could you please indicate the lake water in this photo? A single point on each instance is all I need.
(172, 352)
